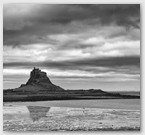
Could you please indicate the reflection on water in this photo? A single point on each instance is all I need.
(37, 112)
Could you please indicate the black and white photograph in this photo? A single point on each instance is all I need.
(71, 67)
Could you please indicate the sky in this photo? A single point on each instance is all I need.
(80, 46)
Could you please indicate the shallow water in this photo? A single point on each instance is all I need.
(72, 115)
(130, 104)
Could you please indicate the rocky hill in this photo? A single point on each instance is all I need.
(38, 81)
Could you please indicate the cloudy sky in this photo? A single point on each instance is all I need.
(79, 46)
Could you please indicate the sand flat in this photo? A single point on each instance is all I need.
(32, 117)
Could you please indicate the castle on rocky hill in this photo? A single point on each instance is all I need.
(38, 81)
(36, 75)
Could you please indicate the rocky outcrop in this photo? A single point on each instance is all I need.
(38, 76)
(39, 81)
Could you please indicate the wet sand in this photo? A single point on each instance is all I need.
(44, 117)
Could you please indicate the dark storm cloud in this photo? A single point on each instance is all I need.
(82, 63)
(51, 19)
(111, 62)
(62, 14)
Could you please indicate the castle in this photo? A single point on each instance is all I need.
(36, 75)
(38, 81)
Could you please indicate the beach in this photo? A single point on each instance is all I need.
(72, 115)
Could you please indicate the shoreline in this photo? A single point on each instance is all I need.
(25, 98)
(134, 104)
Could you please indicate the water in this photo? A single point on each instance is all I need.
(72, 115)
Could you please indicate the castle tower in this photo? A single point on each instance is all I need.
(37, 76)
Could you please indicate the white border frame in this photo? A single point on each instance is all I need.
(142, 62)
